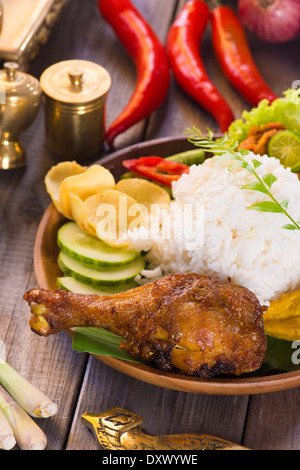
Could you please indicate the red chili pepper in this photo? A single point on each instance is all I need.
(183, 42)
(157, 169)
(233, 52)
(149, 57)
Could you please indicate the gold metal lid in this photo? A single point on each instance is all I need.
(75, 81)
(16, 83)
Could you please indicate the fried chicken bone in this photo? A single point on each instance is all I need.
(185, 323)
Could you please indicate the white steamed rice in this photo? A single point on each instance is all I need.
(248, 247)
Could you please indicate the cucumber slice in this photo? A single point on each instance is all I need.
(88, 249)
(100, 276)
(189, 157)
(72, 285)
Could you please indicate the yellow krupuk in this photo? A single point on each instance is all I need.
(116, 214)
(81, 211)
(99, 206)
(56, 175)
(92, 181)
(144, 192)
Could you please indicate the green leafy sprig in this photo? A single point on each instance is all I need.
(261, 184)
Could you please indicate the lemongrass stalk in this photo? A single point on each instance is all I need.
(34, 402)
(28, 434)
(7, 438)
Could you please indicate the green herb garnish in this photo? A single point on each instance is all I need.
(262, 184)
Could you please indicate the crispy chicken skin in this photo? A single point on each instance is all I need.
(185, 323)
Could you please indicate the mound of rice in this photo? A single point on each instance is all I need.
(246, 247)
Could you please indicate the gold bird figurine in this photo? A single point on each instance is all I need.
(119, 429)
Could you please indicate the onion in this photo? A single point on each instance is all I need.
(271, 20)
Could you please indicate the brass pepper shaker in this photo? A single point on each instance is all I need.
(74, 94)
(20, 98)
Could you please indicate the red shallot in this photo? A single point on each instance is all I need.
(273, 21)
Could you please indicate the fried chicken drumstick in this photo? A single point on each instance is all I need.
(186, 323)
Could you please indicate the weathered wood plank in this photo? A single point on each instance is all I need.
(273, 421)
(51, 364)
(163, 411)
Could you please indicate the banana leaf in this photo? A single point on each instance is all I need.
(281, 355)
(100, 342)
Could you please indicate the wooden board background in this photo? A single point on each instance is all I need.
(78, 382)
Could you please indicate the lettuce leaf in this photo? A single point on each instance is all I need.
(285, 110)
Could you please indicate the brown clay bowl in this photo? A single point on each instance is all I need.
(47, 271)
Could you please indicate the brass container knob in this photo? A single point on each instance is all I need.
(20, 99)
(74, 93)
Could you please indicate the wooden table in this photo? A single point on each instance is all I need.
(78, 382)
